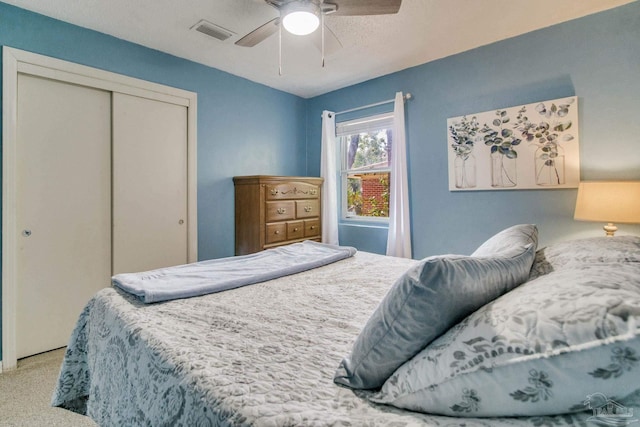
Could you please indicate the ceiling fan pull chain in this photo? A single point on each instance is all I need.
(322, 25)
(280, 50)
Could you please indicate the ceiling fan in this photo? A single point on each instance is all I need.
(302, 17)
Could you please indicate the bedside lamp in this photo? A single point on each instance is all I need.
(608, 201)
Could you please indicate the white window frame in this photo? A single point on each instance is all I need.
(367, 124)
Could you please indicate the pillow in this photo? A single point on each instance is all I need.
(426, 301)
(542, 349)
(508, 242)
(586, 251)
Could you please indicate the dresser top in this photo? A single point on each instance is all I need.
(257, 179)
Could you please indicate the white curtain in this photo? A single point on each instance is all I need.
(328, 162)
(399, 238)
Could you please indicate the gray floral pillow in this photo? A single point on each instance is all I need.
(586, 251)
(541, 349)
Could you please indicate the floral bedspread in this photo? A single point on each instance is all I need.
(261, 355)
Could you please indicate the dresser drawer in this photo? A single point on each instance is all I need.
(291, 190)
(295, 230)
(311, 228)
(280, 211)
(307, 208)
(276, 232)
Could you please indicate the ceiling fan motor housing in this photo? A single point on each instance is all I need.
(300, 17)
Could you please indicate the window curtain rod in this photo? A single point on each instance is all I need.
(388, 101)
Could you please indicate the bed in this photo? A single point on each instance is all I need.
(268, 354)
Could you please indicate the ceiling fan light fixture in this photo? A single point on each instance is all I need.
(301, 18)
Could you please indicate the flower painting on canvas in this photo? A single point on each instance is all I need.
(533, 146)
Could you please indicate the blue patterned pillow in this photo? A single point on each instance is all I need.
(430, 298)
(542, 349)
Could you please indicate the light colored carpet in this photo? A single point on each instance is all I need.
(25, 394)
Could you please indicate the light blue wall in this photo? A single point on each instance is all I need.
(596, 58)
(243, 127)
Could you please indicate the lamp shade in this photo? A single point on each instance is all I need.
(608, 201)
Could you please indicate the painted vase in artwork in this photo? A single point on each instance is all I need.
(549, 162)
(465, 170)
(463, 135)
(503, 171)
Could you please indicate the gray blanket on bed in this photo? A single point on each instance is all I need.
(222, 274)
(259, 355)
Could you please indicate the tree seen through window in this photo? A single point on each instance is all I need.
(368, 157)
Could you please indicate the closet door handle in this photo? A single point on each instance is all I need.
(26, 233)
(181, 222)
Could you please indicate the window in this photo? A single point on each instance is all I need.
(366, 166)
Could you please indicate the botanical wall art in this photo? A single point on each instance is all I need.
(534, 146)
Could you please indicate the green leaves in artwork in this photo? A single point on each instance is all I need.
(547, 132)
(503, 135)
(501, 140)
(463, 134)
(560, 110)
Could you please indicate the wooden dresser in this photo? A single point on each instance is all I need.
(276, 210)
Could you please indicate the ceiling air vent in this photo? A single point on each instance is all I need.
(212, 30)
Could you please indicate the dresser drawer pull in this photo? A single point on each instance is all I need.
(313, 191)
(308, 208)
(281, 210)
(313, 227)
(295, 229)
(274, 191)
(276, 232)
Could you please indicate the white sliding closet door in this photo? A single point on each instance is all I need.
(99, 178)
(63, 208)
(149, 184)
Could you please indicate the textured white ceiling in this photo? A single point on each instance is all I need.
(372, 46)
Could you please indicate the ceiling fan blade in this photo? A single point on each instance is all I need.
(365, 7)
(260, 33)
